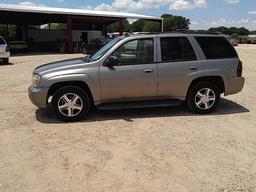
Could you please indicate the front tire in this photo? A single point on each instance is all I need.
(71, 103)
(203, 97)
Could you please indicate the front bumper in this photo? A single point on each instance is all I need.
(234, 85)
(38, 96)
(5, 55)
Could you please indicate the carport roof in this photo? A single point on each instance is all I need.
(74, 12)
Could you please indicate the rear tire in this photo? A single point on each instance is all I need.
(71, 103)
(203, 97)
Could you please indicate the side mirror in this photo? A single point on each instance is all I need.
(111, 62)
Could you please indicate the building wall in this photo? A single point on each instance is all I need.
(46, 35)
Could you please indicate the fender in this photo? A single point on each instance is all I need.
(92, 84)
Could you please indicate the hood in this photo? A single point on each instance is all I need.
(51, 67)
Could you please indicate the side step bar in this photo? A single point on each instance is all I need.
(138, 104)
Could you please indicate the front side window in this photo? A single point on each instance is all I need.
(176, 49)
(216, 47)
(104, 50)
(134, 52)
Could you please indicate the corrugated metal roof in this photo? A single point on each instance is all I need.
(79, 12)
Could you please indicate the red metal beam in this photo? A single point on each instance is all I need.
(121, 27)
(69, 34)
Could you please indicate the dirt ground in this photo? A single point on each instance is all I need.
(146, 150)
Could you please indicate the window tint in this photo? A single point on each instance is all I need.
(216, 47)
(176, 49)
(136, 52)
(2, 42)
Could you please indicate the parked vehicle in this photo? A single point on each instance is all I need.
(95, 45)
(4, 50)
(150, 70)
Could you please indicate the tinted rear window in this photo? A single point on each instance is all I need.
(216, 47)
(2, 41)
(176, 49)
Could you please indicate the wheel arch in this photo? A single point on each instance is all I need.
(217, 80)
(81, 84)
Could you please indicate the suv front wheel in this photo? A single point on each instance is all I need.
(71, 103)
(203, 97)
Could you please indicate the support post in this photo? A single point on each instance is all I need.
(121, 27)
(162, 25)
(105, 30)
(69, 34)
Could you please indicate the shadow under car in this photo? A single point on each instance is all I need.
(225, 107)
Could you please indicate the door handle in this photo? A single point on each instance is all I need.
(193, 68)
(148, 70)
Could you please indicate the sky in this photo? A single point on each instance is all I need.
(202, 13)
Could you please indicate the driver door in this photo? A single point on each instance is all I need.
(135, 75)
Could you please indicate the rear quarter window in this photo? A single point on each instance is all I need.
(216, 47)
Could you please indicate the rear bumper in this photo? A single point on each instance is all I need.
(234, 85)
(38, 96)
(5, 55)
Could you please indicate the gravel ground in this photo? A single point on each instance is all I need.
(152, 150)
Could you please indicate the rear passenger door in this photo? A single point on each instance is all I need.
(178, 66)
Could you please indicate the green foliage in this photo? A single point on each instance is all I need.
(8, 34)
(137, 26)
(151, 26)
(231, 30)
(172, 23)
(57, 26)
(114, 27)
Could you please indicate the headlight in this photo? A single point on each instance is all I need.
(36, 79)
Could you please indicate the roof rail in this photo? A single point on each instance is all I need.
(187, 31)
(184, 31)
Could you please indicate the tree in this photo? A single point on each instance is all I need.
(137, 26)
(114, 27)
(172, 23)
(220, 29)
(151, 26)
(231, 31)
(57, 26)
(243, 31)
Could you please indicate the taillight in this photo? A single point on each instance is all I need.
(7, 49)
(239, 69)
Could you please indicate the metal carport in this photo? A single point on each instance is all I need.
(28, 15)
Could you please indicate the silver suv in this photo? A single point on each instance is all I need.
(144, 70)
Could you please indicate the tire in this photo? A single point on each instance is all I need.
(71, 103)
(6, 60)
(203, 97)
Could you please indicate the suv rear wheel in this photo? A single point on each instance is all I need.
(71, 103)
(203, 97)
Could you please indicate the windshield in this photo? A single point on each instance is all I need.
(104, 49)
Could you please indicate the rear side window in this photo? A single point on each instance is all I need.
(2, 42)
(176, 49)
(216, 47)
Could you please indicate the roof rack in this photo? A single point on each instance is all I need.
(184, 31)
(187, 31)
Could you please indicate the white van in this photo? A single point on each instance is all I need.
(4, 50)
